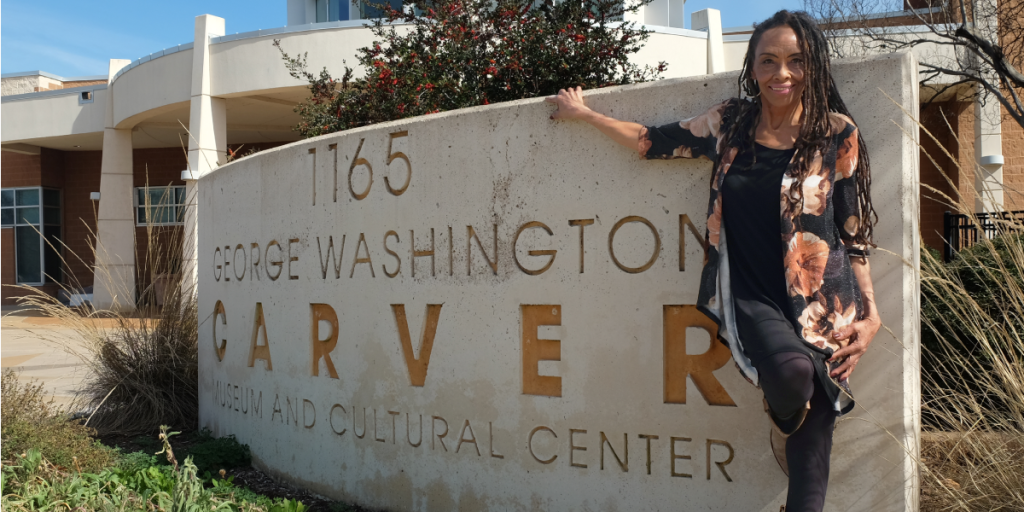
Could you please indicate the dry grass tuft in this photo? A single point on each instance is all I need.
(143, 361)
(973, 372)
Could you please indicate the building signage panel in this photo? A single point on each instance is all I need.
(486, 309)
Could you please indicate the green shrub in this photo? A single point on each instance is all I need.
(137, 482)
(212, 454)
(29, 421)
(463, 53)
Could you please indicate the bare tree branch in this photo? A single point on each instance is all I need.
(979, 43)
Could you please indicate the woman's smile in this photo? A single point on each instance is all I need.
(779, 68)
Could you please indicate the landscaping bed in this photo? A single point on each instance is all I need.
(51, 460)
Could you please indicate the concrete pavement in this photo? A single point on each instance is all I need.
(31, 345)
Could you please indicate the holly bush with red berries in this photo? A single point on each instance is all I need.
(440, 55)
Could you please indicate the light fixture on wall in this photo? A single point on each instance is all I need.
(992, 160)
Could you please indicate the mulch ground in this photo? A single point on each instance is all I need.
(257, 481)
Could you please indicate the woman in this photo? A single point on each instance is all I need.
(796, 310)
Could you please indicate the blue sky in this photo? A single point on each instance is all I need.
(71, 39)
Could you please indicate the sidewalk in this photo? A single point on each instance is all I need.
(28, 344)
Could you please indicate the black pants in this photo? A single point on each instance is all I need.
(788, 382)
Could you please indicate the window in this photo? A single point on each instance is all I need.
(35, 215)
(369, 9)
(160, 206)
(331, 10)
(85, 97)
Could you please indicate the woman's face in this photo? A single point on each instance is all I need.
(779, 67)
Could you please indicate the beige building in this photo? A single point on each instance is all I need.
(79, 153)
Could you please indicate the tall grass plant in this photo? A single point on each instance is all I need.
(142, 360)
(972, 360)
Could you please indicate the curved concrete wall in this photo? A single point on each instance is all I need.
(253, 64)
(497, 317)
(53, 114)
(151, 88)
(734, 53)
(685, 55)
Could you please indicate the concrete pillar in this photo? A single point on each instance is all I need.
(988, 149)
(988, 138)
(114, 277)
(636, 17)
(656, 12)
(710, 21)
(301, 12)
(677, 13)
(207, 143)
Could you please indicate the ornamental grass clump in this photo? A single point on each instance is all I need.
(143, 372)
(973, 379)
(973, 369)
(142, 359)
(447, 54)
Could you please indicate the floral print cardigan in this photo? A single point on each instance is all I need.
(817, 239)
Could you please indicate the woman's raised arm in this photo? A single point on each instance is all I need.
(570, 106)
(693, 138)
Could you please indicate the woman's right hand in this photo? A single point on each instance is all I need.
(570, 104)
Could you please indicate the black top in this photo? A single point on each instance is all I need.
(751, 213)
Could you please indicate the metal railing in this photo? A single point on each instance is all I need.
(959, 231)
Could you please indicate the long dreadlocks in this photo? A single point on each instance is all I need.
(820, 97)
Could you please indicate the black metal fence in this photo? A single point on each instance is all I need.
(960, 232)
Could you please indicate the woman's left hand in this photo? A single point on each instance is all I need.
(860, 334)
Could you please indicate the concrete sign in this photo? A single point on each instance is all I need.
(488, 310)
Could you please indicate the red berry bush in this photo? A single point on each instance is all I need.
(452, 54)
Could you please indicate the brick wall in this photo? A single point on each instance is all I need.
(83, 83)
(77, 174)
(965, 147)
(159, 168)
(1013, 164)
(19, 170)
(81, 177)
(6, 259)
(51, 168)
(38, 83)
(45, 169)
(940, 120)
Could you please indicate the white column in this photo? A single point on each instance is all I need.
(710, 21)
(637, 17)
(207, 143)
(988, 137)
(301, 12)
(988, 148)
(677, 13)
(656, 12)
(114, 273)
